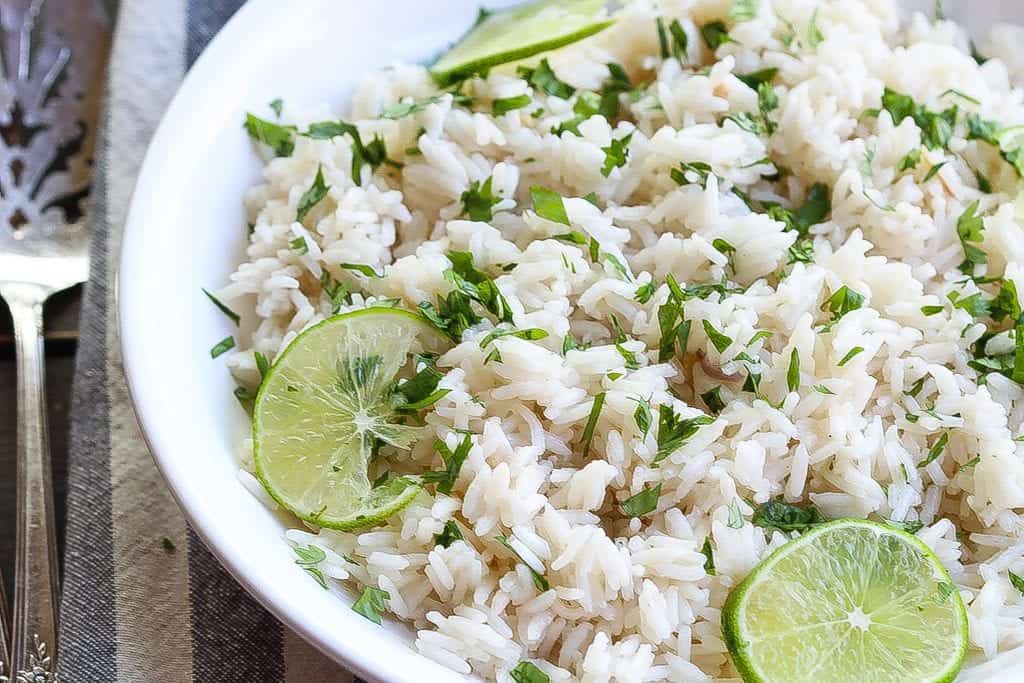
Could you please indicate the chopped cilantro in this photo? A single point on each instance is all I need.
(539, 581)
(720, 341)
(842, 301)
(910, 160)
(478, 201)
(814, 35)
(548, 204)
(674, 432)
(1016, 581)
(969, 464)
(309, 559)
(503, 105)
(311, 197)
(279, 138)
(776, 514)
(743, 10)
(936, 128)
(911, 526)
(410, 106)
(970, 228)
(449, 534)
(569, 343)
(822, 389)
(715, 34)
(371, 603)
(755, 79)
(709, 557)
(760, 334)
(526, 672)
(361, 268)
(936, 450)
(543, 78)
(713, 400)
(642, 503)
(628, 357)
(793, 372)
(932, 310)
(680, 41)
(222, 347)
(588, 430)
(371, 154)
(477, 285)
(735, 515)
(452, 460)
(277, 106)
(699, 168)
(932, 171)
(615, 155)
(644, 292)
(531, 334)
(225, 310)
(850, 355)
(642, 415)
(659, 24)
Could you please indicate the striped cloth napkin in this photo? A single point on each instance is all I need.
(143, 599)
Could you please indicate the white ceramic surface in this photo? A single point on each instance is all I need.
(186, 230)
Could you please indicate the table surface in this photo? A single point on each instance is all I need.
(61, 341)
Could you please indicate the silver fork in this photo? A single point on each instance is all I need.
(52, 56)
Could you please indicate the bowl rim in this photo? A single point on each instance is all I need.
(357, 645)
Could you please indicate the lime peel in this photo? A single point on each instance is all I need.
(850, 600)
(518, 33)
(323, 405)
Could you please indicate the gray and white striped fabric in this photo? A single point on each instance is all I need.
(133, 608)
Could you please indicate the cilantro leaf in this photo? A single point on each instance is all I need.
(222, 347)
(735, 515)
(526, 672)
(743, 10)
(615, 154)
(674, 432)
(970, 228)
(372, 603)
(755, 79)
(530, 334)
(478, 201)
(713, 400)
(720, 341)
(715, 34)
(548, 204)
(311, 197)
(503, 105)
(850, 355)
(842, 301)
(911, 526)
(449, 534)
(793, 373)
(234, 317)
(776, 514)
(543, 78)
(588, 430)
(539, 581)
(445, 479)
(642, 503)
(279, 138)
(709, 557)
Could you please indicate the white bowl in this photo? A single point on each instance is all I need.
(186, 230)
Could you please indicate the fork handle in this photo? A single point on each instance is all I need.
(35, 566)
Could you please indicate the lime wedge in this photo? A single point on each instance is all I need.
(847, 602)
(324, 405)
(520, 32)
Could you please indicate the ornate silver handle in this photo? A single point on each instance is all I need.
(35, 568)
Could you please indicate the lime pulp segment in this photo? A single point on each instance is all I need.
(323, 406)
(849, 601)
(518, 33)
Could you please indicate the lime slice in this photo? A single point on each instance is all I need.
(847, 602)
(324, 405)
(517, 33)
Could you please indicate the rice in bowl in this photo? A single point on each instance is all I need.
(784, 274)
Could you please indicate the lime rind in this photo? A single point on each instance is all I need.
(321, 407)
(773, 620)
(518, 33)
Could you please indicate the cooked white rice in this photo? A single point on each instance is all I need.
(630, 599)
